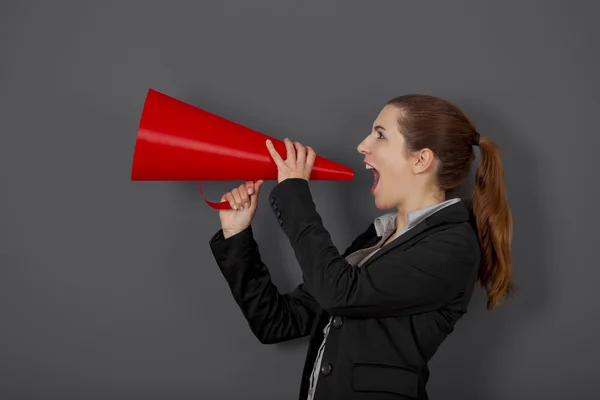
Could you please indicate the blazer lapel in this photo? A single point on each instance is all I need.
(397, 242)
(366, 239)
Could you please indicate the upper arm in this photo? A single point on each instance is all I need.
(423, 278)
(302, 309)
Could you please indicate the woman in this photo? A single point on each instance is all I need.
(378, 312)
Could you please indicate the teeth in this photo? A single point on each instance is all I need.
(368, 166)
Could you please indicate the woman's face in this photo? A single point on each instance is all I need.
(384, 152)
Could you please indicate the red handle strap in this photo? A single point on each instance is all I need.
(223, 205)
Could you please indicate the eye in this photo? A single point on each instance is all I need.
(380, 135)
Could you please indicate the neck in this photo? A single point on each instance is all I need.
(416, 203)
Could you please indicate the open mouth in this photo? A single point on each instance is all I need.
(375, 176)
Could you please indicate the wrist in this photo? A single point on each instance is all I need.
(227, 233)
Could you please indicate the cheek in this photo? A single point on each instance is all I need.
(396, 183)
(398, 172)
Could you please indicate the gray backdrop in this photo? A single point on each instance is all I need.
(108, 289)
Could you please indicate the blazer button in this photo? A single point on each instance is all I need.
(271, 200)
(280, 222)
(326, 369)
(337, 322)
(278, 213)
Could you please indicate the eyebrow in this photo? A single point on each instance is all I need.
(379, 126)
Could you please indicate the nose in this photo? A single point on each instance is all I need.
(362, 147)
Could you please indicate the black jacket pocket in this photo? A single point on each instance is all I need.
(385, 378)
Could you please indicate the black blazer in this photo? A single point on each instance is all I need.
(390, 314)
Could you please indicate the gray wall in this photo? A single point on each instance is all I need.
(108, 288)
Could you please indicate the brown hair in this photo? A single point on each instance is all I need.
(430, 122)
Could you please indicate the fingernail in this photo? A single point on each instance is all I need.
(249, 191)
(246, 205)
(234, 207)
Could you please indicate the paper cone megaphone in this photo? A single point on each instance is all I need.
(179, 142)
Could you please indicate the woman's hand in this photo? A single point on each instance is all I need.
(299, 161)
(243, 201)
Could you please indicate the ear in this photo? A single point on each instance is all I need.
(423, 160)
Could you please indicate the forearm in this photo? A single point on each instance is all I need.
(273, 317)
(326, 272)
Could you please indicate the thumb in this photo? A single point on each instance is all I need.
(259, 183)
(254, 195)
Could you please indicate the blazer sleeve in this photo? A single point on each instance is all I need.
(273, 317)
(423, 278)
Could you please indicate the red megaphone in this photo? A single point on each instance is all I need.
(179, 142)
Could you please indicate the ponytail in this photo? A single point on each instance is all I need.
(494, 224)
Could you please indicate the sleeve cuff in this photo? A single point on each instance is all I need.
(293, 206)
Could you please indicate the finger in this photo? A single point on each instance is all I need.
(300, 153)
(229, 197)
(244, 195)
(236, 198)
(291, 152)
(311, 155)
(250, 187)
(276, 157)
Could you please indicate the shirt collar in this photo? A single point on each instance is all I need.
(386, 223)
